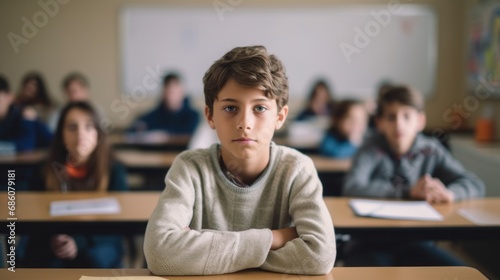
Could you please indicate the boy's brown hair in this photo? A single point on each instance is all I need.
(401, 94)
(249, 66)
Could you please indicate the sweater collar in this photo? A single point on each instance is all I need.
(257, 184)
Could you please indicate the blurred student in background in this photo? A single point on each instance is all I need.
(80, 160)
(400, 162)
(19, 127)
(34, 95)
(306, 131)
(319, 104)
(76, 87)
(348, 125)
(174, 116)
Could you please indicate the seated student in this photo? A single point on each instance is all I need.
(320, 102)
(80, 160)
(20, 127)
(34, 94)
(173, 116)
(76, 87)
(400, 162)
(346, 131)
(247, 202)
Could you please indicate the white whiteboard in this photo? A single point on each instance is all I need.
(307, 40)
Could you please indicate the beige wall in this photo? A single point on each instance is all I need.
(84, 36)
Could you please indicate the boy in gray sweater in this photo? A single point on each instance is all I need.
(402, 163)
(246, 202)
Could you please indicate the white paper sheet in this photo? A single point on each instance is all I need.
(398, 210)
(480, 216)
(107, 205)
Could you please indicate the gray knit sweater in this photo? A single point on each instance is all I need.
(230, 227)
(377, 172)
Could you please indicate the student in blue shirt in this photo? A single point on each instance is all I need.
(173, 116)
(20, 126)
(349, 121)
(320, 102)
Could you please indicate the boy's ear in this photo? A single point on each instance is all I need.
(280, 119)
(209, 117)
(422, 121)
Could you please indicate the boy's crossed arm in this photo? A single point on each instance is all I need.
(314, 250)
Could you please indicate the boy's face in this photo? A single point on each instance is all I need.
(245, 121)
(77, 92)
(400, 124)
(173, 94)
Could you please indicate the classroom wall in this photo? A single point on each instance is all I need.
(84, 36)
(494, 102)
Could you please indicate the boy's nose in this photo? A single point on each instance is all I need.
(245, 121)
(400, 122)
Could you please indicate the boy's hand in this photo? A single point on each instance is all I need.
(64, 246)
(282, 236)
(432, 190)
(418, 190)
(436, 192)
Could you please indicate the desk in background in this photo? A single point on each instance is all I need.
(174, 143)
(453, 226)
(154, 166)
(32, 212)
(338, 273)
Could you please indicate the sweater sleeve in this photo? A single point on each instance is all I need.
(171, 248)
(461, 182)
(364, 180)
(314, 251)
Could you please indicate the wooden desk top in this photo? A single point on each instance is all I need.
(343, 216)
(126, 141)
(32, 157)
(35, 206)
(138, 206)
(453, 226)
(32, 212)
(338, 273)
(147, 159)
(159, 160)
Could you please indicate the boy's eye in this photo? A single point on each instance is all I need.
(230, 109)
(260, 109)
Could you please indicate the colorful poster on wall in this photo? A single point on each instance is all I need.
(483, 61)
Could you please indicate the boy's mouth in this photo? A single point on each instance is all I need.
(244, 140)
